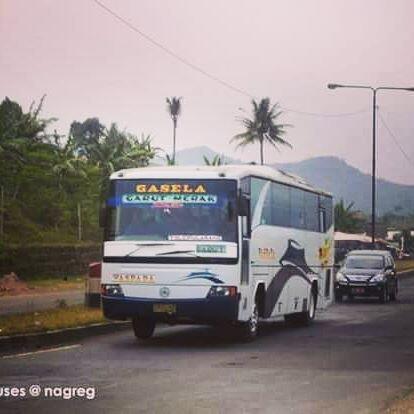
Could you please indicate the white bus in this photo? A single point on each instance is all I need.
(214, 245)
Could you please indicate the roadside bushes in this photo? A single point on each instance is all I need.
(48, 260)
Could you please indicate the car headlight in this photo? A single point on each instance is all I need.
(378, 278)
(340, 277)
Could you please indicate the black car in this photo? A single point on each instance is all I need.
(367, 273)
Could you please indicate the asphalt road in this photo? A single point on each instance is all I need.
(353, 359)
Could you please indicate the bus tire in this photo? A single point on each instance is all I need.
(305, 318)
(143, 328)
(250, 329)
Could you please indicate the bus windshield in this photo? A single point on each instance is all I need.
(172, 210)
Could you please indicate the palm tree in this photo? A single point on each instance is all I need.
(215, 161)
(174, 109)
(169, 160)
(347, 220)
(262, 127)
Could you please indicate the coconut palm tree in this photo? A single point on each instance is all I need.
(262, 127)
(347, 219)
(174, 109)
(169, 160)
(215, 161)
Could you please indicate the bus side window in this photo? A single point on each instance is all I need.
(281, 205)
(266, 217)
(297, 209)
(311, 211)
(325, 213)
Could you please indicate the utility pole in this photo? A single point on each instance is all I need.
(374, 120)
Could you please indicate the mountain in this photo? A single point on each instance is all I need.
(331, 174)
(344, 181)
(194, 156)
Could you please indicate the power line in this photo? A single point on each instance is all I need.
(170, 52)
(202, 71)
(362, 111)
(392, 135)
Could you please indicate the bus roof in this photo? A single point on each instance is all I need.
(210, 172)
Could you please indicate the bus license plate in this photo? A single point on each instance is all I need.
(164, 308)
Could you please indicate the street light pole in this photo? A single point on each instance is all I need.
(374, 124)
(374, 153)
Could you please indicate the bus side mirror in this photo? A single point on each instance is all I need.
(244, 212)
(244, 206)
(102, 216)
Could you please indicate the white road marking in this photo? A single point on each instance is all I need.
(42, 351)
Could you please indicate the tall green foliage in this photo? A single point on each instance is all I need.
(174, 108)
(262, 127)
(347, 220)
(46, 177)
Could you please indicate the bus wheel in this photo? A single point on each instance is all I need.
(250, 329)
(143, 328)
(305, 318)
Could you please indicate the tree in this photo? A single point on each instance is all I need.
(215, 161)
(169, 160)
(110, 149)
(174, 109)
(19, 130)
(262, 127)
(347, 220)
(86, 136)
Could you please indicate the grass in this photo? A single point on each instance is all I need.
(402, 404)
(404, 264)
(53, 283)
(49, 320)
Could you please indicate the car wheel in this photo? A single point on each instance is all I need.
(338, 297)
(384, 298)
(250, 329)
(143, 328)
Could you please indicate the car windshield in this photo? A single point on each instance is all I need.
(364, 262)
(172, 210)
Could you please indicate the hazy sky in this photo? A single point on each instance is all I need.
(89, 64)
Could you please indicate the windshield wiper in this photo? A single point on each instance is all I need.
(178, 252)
(140, 246)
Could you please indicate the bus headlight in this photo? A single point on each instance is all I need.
(229, 291)
(111, 290)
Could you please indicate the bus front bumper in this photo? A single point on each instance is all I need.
(210, 310)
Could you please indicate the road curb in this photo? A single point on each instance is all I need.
(11, 344)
